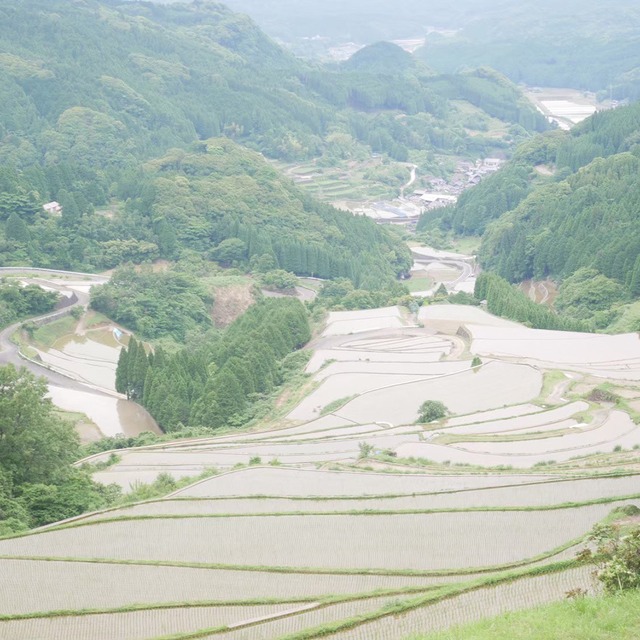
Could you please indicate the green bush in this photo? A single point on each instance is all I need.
(431, 410)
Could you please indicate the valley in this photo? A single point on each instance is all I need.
(297, 348)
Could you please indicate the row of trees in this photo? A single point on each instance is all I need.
(221, 382)
(507, 301)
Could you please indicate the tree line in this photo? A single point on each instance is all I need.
(507, 301)
(221, 382)
(38, 485)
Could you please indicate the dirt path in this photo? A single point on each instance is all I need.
(545, 293)
(555, 397)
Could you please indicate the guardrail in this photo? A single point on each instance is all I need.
(44, 270)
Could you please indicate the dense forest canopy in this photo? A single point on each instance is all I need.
(224, 380)
(17, 302)
(161, 76)
(565, 207)
(136, 118)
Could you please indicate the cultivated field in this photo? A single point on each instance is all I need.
(348, 515)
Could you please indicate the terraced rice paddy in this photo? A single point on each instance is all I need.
(540, 494)
(40, 586)
(421, 542)
(473, 605)
(350, 514)
(347, 322)
(135, 625)
(301, 483)
(607, 356)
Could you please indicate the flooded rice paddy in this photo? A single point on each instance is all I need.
(362, 489)
(90, 357)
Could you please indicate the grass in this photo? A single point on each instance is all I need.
(336, 404)
(420, 283)
(77, 420)
(549, 382)
(20, 338)
(217, 281)
(95, 318)
(605, 618)
(513, 437)
(46, 335)
(314, 285)
(467, 245)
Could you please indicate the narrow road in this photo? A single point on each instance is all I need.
(465, 268)
(412, 179)
(10, 352)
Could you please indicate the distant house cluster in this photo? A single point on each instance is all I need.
(442, 193)
(439, 193)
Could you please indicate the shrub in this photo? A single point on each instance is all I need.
(365, 449)
(431, 410)
(617, 554)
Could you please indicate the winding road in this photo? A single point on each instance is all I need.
(464, 264)
(412, 179)
(10, 352)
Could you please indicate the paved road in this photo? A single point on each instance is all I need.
(466, 269)
(412, 179)
(9, 352)
(36, 271)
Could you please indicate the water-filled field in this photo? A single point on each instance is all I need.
(349, 513)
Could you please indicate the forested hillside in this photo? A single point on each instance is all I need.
(566, 207)
(162, 76)
(225, 379)
(136, 118)
(584, 216)
(575, 43)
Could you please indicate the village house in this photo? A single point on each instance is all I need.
(52, 208)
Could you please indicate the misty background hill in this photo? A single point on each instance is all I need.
(587, 44)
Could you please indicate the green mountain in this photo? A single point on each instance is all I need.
(162, 76)
(588, 44)
(222, 192)
(584, 44)
(566, 207)
(144, 113)
(383, 58)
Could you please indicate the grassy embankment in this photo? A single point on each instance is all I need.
(606, 618)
